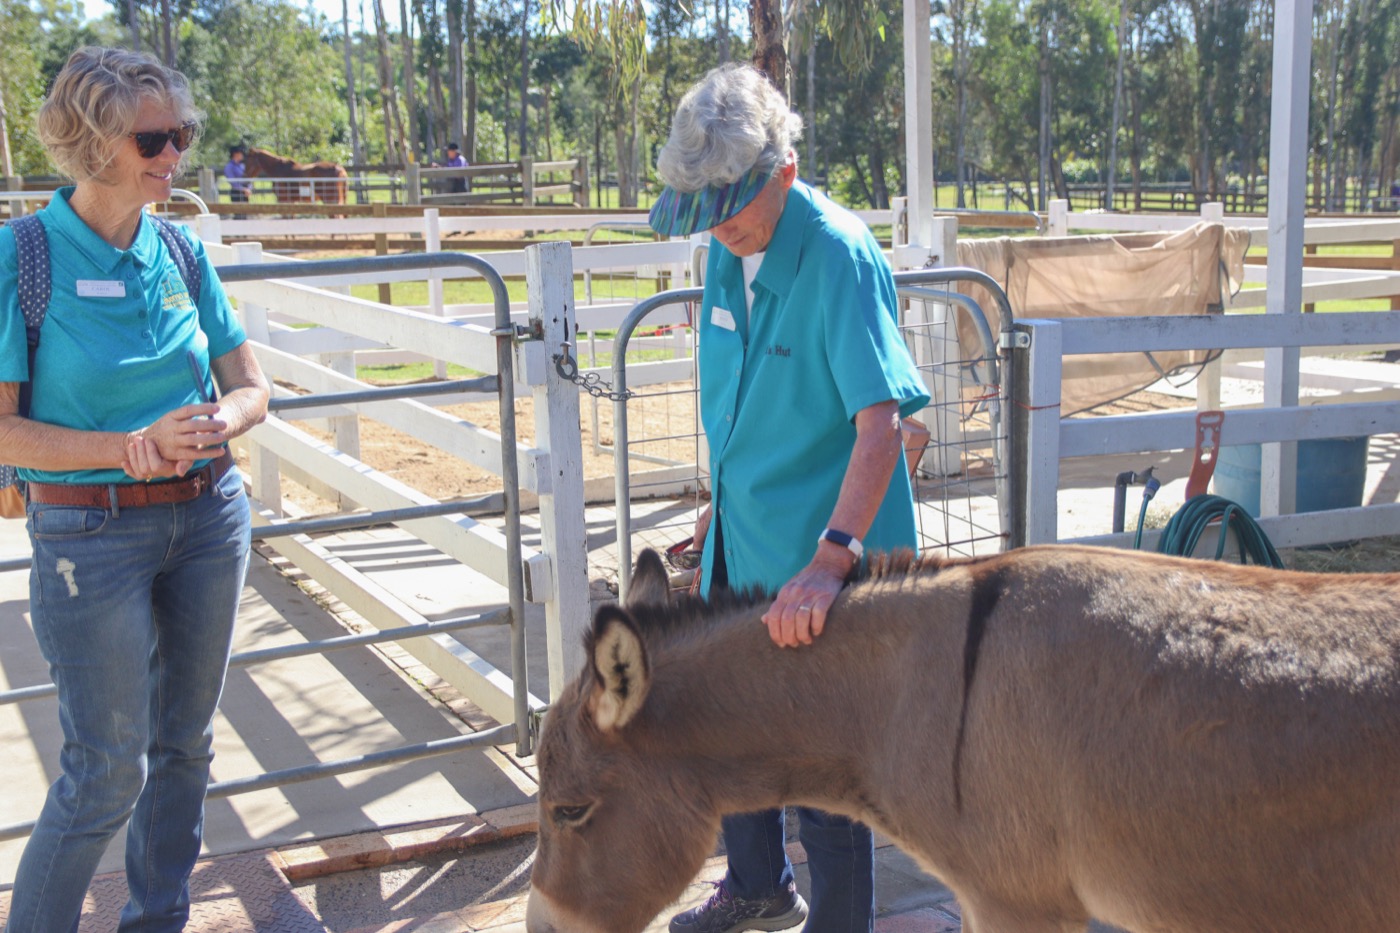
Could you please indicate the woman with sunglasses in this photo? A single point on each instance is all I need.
(138, 521)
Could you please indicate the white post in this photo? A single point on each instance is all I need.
(1288, 163)
(208, 189)
(918, 110)
(432, 242)
(209, 228)
(936, 353)
(1208, 385)
(1057, 224)
(264, 467)
(549, 283)
(1042, 442)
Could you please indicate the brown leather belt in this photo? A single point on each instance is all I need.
(133, 495)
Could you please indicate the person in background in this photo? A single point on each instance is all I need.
(803, 380)
(137, 517)
(234, 171)
(455, 159)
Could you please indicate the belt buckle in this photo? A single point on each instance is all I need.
(200, 483)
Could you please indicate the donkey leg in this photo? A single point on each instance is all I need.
(987, 915)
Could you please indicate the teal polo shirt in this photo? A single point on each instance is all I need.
(113, 349)
(781, 385)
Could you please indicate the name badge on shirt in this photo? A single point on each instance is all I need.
(718, 316)
(98, 288)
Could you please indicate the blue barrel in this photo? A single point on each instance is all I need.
(1331, 474)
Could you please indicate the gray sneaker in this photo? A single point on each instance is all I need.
(724, 913)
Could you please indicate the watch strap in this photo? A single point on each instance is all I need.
(849, 542)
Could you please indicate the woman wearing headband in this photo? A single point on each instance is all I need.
(138, 520)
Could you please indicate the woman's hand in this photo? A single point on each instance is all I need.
(144, 462)
(798, 615)
(702, 528)
(171, 445)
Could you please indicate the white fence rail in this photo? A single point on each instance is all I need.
(1048, 438)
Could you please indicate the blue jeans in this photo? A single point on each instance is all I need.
(134, 611)
(840, 859)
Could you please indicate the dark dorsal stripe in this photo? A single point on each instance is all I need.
(986, 590)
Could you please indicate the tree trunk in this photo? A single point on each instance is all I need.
(1044, 180)
(548, 130)
(1109, 203)
(1135, 151)
(393, 122)
(961, 67)
(469, 143)
(625, 146)
(167, 19)
(456, 82)
(7, 165)
(357, 152)
(524, 78)
(812, 105)
(722, 32)
(410, 81)
(135, 23)
(770, 42)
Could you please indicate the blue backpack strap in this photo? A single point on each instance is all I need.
(183, 254)
(35, 284)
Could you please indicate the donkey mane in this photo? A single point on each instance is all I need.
(686, 612)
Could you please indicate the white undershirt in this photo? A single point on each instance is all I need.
(751, 264)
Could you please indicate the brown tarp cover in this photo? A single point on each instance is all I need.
(1192, 271)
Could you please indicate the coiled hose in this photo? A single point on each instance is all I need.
(1184, 531)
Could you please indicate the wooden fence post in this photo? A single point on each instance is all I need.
(413, 184)
(527, 181)
(381, 248)
(1395, 265)
(581, 182)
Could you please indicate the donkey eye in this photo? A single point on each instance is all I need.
(571, 814)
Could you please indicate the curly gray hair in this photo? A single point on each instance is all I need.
(731, 122)
(95, 102)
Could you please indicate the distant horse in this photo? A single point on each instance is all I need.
(330, 191)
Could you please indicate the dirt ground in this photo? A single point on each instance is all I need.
(663, 425)
(661, 421)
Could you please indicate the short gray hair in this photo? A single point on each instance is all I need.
(731, 122)
(95, 101)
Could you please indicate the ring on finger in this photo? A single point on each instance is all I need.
(804, 608)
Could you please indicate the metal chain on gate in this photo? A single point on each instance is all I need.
(592, 383)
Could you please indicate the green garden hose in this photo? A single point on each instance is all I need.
(1184, 531)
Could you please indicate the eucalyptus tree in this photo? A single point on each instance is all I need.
(959, 22)
(862, 121)
(278, 86)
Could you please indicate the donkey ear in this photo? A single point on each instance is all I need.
(650, 585)
(621, 673)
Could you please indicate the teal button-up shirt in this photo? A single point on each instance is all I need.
(112, 351)
(781, 384)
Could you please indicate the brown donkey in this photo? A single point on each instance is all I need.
(1056, 733)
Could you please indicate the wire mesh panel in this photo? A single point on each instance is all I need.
(953, 447)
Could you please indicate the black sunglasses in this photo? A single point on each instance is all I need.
(152, 144)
